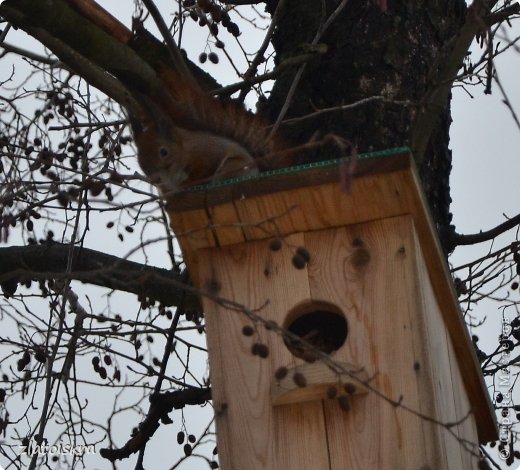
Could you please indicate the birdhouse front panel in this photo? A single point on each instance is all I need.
(396, 350)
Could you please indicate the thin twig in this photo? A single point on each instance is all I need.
(174, 51)
(259, 57)
(299, 73)
(344, 107)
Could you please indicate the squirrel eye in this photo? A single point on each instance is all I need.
(163, 152)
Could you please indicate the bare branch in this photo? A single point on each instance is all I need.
(160, 405)
(456, 239)
(446, 68)
(24, 263)
(31, 55)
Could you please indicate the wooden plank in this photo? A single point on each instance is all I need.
(449, 390)
(192, 233)
(317, 207)
(225, 224)
(373, 284)
(449, 307)
(468, 428)
(251, 433)
(319, 377)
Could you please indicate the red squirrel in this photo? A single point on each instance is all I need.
(185, 136)
(193, 138)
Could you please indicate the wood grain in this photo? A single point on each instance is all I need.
(375, 257)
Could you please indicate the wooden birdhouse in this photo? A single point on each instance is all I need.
(334, 333)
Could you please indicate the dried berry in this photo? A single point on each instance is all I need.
(40, 355)
(63, 199)
(180, 437)
(299, 379)
(304, 253)
(26, 357)
(281, 373)
(213, 57)
(275, 244)
(357, 242)
(344, 403)
(298, 261)
(9, 287)
(260, 349)
(233, 29)
(332, 392)
(96, 187)
(213, 27)
(248, 330)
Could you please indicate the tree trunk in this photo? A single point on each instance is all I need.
(369, 53)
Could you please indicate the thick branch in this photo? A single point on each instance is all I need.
(60, 28)
(444, 73)
(101, 18)
(85, 36)
(23, 263)
(81, 44)
(456, 239)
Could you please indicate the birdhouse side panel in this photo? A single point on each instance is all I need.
(461, 442)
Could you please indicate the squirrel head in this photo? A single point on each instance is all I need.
(160, 155)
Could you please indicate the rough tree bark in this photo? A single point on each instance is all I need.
(371, 53)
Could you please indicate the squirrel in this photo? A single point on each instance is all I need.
(173, 157)
(185, 136)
